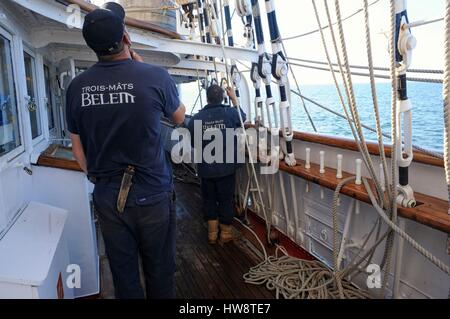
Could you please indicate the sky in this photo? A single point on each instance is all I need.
(297, 17)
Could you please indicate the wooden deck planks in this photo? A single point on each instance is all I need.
(204, 271)
(217, 269)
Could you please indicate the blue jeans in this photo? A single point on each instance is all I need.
(146, 228)
(218, 198)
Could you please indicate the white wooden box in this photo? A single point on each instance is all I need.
(34, 256)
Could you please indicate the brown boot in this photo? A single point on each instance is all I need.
(213, 231)
(226, 234)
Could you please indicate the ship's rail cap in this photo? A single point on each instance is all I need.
(135, 23)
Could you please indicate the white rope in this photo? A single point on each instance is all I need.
(326, 27)
(298, 89)
(447, 98)
(415, 146)
(423, 22)
(379, 76)
(387, 258)
(250, 155)
(296, 278)
(441, 265)
(347, 80)
(363, 67)
(376, 111)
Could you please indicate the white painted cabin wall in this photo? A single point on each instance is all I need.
(15, 184)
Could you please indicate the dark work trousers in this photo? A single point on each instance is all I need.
(147, 228)
(218, 198)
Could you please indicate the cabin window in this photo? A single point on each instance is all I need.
(49, 97)
(9, 119)
(32, 100)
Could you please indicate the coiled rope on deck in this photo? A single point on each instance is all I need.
(295, 278)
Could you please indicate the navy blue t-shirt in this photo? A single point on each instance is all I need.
(116, 108)
(217, 117)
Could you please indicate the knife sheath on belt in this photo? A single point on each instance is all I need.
(127, 182)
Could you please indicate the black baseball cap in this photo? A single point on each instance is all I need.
(104, 28)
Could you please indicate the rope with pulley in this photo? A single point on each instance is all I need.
(215, 26)
(235, 75)
(280, 72)
(201, 20)
(262, 70)
(405, 44)
(188, 18)
(260, 119)
(235, 78)
(244, 10)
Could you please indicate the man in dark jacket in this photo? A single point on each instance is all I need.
(218, 176)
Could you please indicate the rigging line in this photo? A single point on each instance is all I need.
(199, 89)
(373, 86)
(327, 26)
(349, 90)
(223, 35)
(298, 89)
(347, 80)
(387, 257)
(446, 93)
(437, 262)
(425, 71)
(210, 15)
(232, 15)
(386, 135)
(379, 76)
(201, 21)
(254, 174)
(195, 104)
(423, 22)
(279, 68)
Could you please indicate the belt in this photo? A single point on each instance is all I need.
(125, 181)
(105, 180)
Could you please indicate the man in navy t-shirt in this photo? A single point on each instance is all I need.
(113, 113)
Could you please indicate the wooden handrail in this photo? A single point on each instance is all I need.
(135, 23)
(48, 160)
(430, 211)
(350, 144)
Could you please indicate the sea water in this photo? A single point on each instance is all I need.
(427, 114)
(426, 100)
